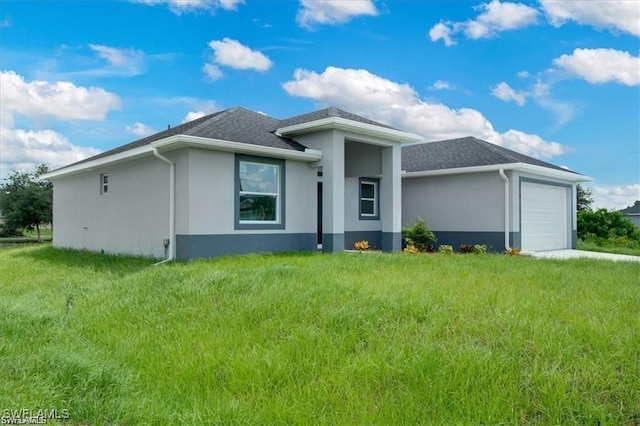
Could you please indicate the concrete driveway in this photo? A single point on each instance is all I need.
(574, 254)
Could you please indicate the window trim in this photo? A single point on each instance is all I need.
(280, 203)
(376, 199)
(104, 186)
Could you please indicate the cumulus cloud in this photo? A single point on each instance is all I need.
(25, 149)
(201, 109)
(332, 12)
(399, 105)
(602, 66)
(615, 197)
(184, 6)
(495, 17)
(233, 54)
(127, 61)
(506, 93)
(140, 129)
(62, 99)
(616, 15)
(523, 74)
(212, 71)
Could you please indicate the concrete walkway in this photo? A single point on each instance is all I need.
(574, 254)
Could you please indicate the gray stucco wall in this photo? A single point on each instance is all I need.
(132, 218)
(460, 209)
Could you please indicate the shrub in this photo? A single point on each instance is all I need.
(480, 249)
(361, 245)
(410, 249)
(513, 251)
(445, 249)
(466, 248)
(418, 235)
(605, 224)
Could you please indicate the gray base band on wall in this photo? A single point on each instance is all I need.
(203, 246)
(373, 237)
(391, 241)
(493, 240)
(332, 243)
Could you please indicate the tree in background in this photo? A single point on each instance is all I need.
(26, 201)
(584, 198)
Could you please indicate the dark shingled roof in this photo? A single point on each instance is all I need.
(635, 209)
(235, 124)
(326, 113)
(463, 152)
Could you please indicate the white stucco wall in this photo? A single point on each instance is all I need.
(133, 217)
(466, 202)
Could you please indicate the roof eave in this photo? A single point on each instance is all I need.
(184, 141)
(340, 123)
(524, 167)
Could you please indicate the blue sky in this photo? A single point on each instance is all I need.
(555, 80)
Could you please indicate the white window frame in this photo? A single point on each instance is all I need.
(104, 183)
(375, 184)
(279, 167)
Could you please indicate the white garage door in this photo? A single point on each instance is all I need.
(544, 217)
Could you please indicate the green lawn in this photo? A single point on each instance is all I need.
(632, 251)
(353, 338)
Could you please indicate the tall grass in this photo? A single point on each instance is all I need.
(347, 339)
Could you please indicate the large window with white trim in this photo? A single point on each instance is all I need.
(259, 193)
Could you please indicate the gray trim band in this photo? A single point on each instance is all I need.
(204, 246)
(373, 237)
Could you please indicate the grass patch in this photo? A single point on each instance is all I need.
(339, 339)
(608, 248)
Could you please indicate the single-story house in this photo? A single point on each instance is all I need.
(237, 181)
(632, 213)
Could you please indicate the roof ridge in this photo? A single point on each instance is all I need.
(496, 148)
(213, 117)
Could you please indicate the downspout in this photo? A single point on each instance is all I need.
(172, 206)
(506, 208)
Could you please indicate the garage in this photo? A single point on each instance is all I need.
(544, 216)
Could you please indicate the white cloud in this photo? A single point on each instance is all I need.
(523, 74)
(564, 111)
(441, 31)
(233, 54)
(441, 85)
(201, 109)
(615, 197)
(506, 93)
(617, 15)
(140, 129)
(62, 99)
(398, 104)
(25, 149)
(602, 66)
(332, 12)
(129, 61)
(184, 6)
(494, 18)
(212, 71)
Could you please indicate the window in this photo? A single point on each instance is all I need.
(259, 193)
(369, 199)
(104, 183)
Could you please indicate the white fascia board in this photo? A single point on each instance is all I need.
(121, 157)
(182, 141)
(340, 123)
(523, 167)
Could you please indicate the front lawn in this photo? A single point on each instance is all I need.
(352, 338)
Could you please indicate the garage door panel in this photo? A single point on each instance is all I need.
(544, 217)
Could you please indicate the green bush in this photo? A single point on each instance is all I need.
(480, 249)
(445, 249)
(466, 248)
(418, 235)
(605, 224)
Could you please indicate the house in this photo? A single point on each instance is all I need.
(238, 181)
(474, 192)
(633, 213)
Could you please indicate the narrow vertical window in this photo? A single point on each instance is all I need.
(369, 199)
(104, 183)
